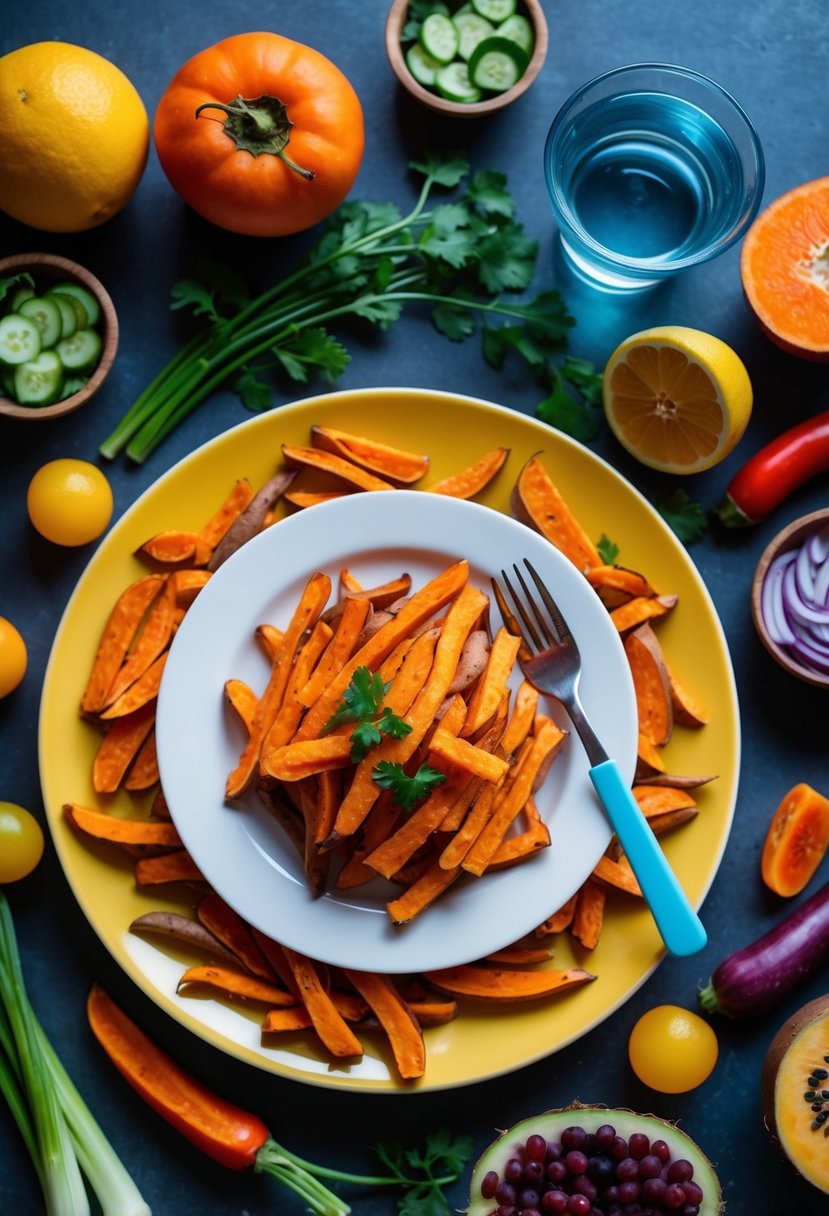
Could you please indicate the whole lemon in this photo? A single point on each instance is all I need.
(75, 137)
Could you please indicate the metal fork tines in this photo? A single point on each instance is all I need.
(550, 659)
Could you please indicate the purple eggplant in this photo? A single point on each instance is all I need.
(762, 974)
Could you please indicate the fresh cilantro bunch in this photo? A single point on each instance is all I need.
(465, 257)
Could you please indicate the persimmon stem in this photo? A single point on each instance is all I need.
(258, 125)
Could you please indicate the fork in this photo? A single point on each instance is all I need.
(550, 659)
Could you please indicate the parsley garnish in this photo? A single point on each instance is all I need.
(607, 549)
(406, 790)
(440, 1163)
(361, 703)
(687, 518)
(574, 405)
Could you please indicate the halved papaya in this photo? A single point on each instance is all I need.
(785, 270)
(794, 1084)
(796, 841)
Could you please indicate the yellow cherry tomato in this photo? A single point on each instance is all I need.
(21, 842)
(13, 657)
(672, 1050)
(69, 501)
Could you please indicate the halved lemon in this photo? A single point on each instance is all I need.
(678, 399)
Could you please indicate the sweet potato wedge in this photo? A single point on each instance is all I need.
(641, 609)
(167, 867)
(687, 709)
(143, 773)
(249, 520)
(312, 498)
(327, 1021)
(113, 828)
(183, 929)
(588, 915)
(116, 639)
(468, 482)
(391, 463)
(234, 933)
(217, 527)
(140, 692)
(490, 689)
(499, 984)
(537, 502)
(153, 638)
(401, 1027)
(297, 457)
(422, 892)
(231, 982)
(650, 684)
(119, 747)
(173, 547)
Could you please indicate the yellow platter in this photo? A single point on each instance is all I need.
(482, 1042)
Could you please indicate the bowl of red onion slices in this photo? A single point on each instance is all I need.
(790, 598)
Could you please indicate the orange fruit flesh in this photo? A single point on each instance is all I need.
(785, 269)
(666, 405)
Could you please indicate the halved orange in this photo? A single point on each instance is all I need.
(677, 398)
(784, 266)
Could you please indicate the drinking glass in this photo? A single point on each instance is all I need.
(651, 169)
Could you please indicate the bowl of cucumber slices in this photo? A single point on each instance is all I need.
(466, 57)
(58, 335)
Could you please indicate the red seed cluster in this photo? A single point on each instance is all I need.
(593, 1174)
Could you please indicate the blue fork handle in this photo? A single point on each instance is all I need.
(681, 929)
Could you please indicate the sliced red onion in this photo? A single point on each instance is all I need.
(819, 545)
(794, 602)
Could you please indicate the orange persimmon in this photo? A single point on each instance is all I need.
(796, 841)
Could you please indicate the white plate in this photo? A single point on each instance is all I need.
(242, 851)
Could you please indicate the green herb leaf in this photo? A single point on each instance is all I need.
(445, 171)
(364, 737)
(406, 790)
(390, 724)
(312, 350)
(189, 293)
(454, 321)
(506, 260)
(7, 282)
(360, 702)
(498, 341)
(607, 549)
(566, 413)
(583, 374)
(489, 194)
(687, 518)
(256, 394)
(377, 310)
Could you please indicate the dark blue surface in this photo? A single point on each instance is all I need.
(772, 55)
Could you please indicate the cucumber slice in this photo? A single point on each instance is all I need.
(495, 10)
(472, 29)
(39, 381)
(19, 339)
(19, 295)
(453, 83)
(90, 303)
(520, 30)
(422, 66)
(439, 38)
(81, 352)
(46, 315)
(69, 310)
(497, 64)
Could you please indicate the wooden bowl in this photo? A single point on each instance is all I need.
(791, 537)
(49, 266)
(395, 22)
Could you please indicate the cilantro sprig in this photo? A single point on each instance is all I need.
(362, 703)
(406, 790)
(465, 256)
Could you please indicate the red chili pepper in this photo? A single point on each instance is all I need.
(776, 471)
(225, 1132)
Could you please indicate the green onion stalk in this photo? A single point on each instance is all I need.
(63, 1139)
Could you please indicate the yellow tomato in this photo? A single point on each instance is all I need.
(21, 842)
(12, 657)
(69, 501)
(672, 1050)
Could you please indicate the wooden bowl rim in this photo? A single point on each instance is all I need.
(56, 266)
(787, 538)
(394, 52)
